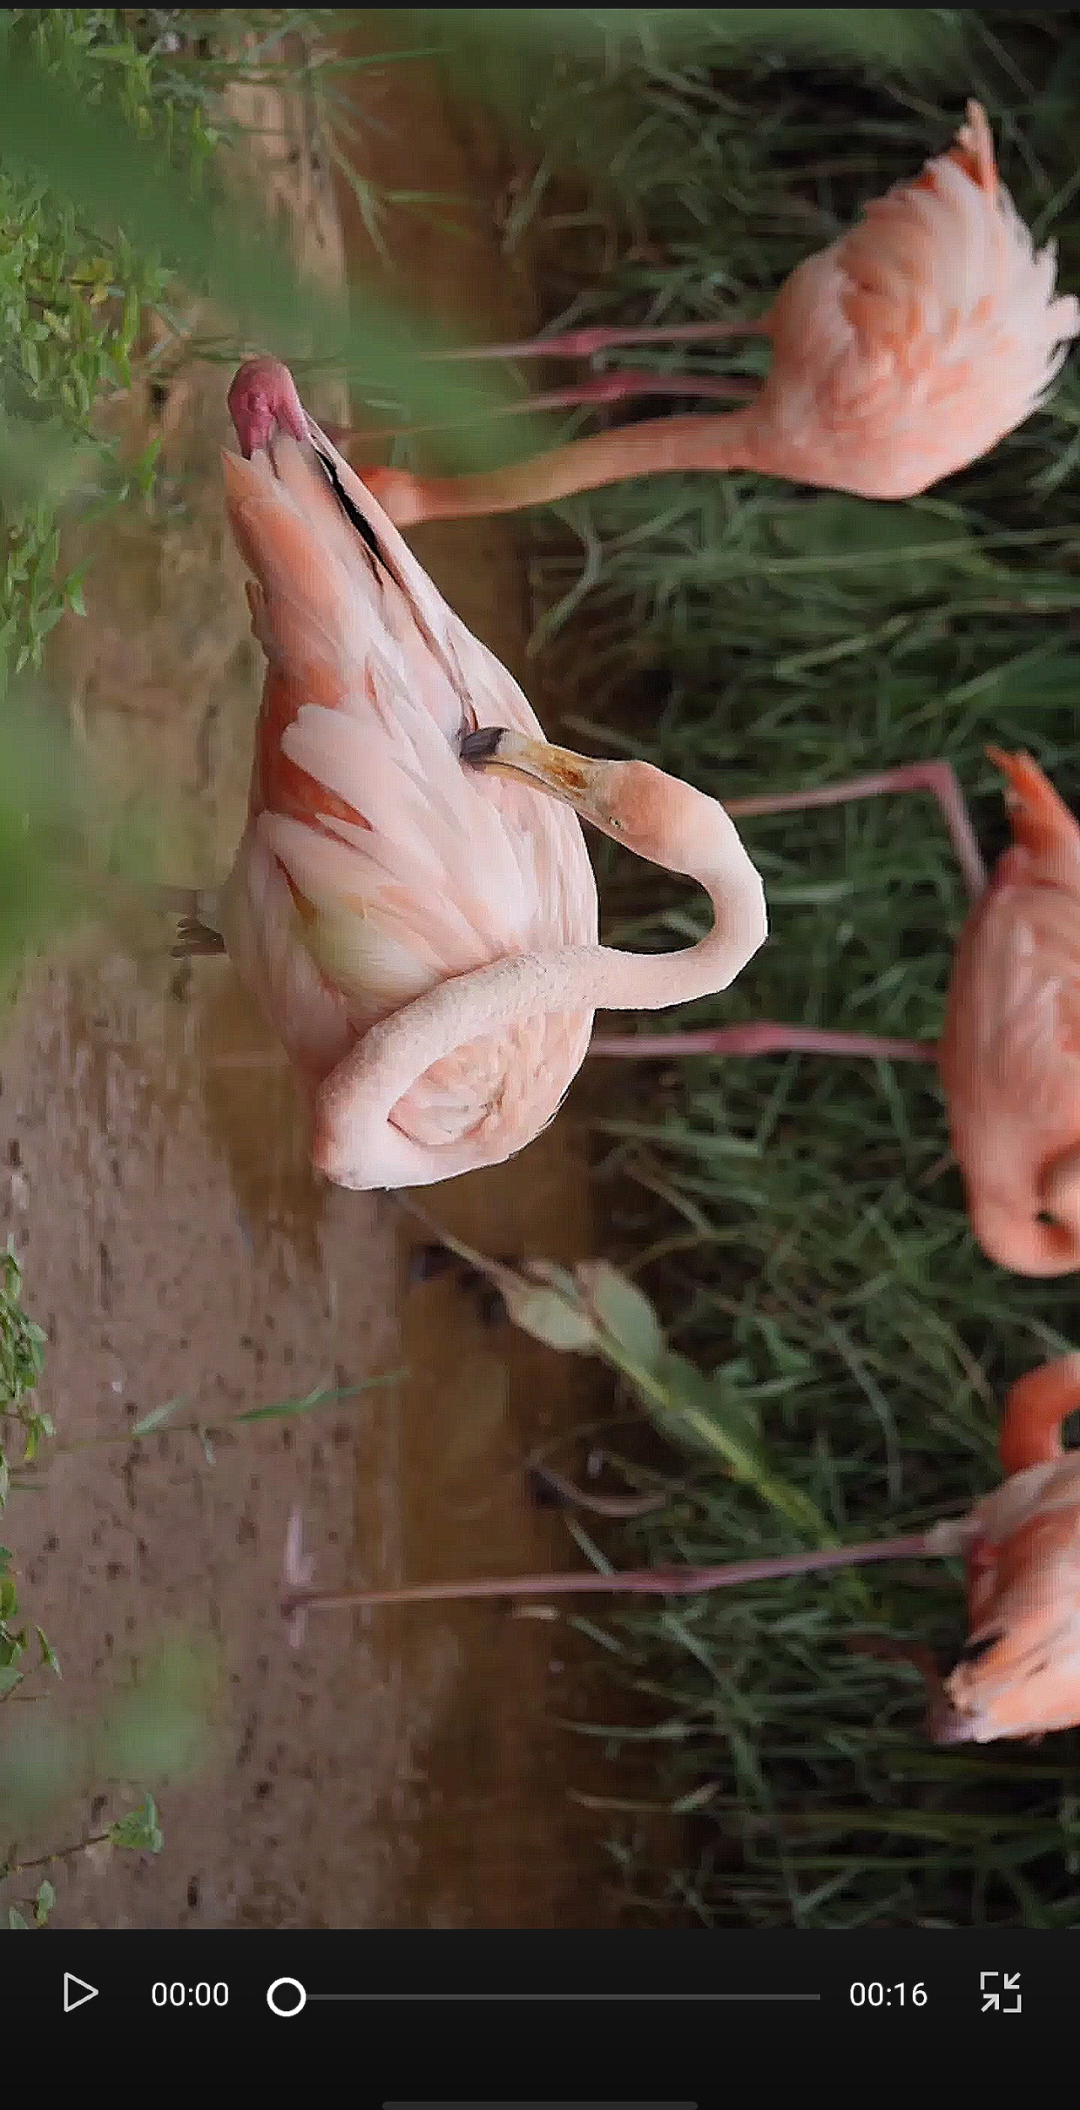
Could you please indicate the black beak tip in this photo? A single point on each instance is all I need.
(482, 745)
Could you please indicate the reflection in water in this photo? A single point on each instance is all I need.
(254, 1116)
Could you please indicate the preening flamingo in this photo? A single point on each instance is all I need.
(904, 351)
(1019, 1671)
(1009, 1054)
(418, 922)
(1019, 1674)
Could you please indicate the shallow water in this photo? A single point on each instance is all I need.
(403, 1768)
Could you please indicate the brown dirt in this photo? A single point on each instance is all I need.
(405, 1768)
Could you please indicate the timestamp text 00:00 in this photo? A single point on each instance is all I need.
(201, 1995)
(877, 1995)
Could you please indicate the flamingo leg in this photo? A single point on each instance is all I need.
(602, 388)
(622, 388)
(586, 344)
(941, 1542)
(767, 1038)
(938, 778)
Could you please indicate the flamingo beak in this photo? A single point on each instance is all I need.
(574, 779)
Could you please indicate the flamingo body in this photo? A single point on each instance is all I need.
(1020, 1672)
(900, 354)
(914, 343)
(373, 865)
(1009, 1055)
(412, 903)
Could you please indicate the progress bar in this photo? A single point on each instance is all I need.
(287, 1997)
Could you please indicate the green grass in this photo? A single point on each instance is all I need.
(789, 1215)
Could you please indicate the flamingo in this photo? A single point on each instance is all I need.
(1019, 1672)
(417, 924)
(901, 353)
(1009, 1054)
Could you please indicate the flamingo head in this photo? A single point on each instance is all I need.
(262, 398)
(654, 815)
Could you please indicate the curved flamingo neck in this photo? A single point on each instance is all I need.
(1018, 1240)
(355, 1142)
(1035, 1409)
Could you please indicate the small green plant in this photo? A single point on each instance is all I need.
(137, 1832)
(39, 1909)
(22, 1348)
(14, 1638)
(22, 1344)
(73, 298)
(593, 1309)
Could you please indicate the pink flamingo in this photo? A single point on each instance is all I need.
(1019, 1673)
(1009, 1054)
(904, 351)
(418, 925)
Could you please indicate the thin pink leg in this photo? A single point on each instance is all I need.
(604, 388)
(767, 1038)
(762, 1038)
(938, 778)
(585, 344)
(297, 1597)
(619, 388)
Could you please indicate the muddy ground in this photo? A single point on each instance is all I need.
(406, 1768)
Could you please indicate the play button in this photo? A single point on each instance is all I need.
(77, 1992)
